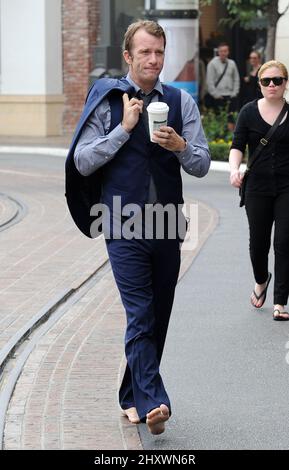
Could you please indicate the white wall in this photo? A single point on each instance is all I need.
(282, 35)
(53, 47)
(282, 38)
(31, 55)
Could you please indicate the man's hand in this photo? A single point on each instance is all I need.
(167, 138)
(131, 110)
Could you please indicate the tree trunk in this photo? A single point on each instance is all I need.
(270, 43)
(273, 16)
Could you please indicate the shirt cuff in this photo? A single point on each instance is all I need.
(184, 154)
(194, 160)
(118, 136)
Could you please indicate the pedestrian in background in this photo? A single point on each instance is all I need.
(223, 81)
(112, 141)
(250, 87)
(267, 183)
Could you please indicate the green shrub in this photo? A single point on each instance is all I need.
(219, 132)
(220, 151)
(217, 126)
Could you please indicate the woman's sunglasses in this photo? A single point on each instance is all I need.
(276, 80)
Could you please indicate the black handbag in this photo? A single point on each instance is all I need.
(263, 142)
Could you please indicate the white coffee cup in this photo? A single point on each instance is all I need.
(158, 116)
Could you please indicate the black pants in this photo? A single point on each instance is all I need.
(262, 212)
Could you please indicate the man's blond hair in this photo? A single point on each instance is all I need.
(150, 27)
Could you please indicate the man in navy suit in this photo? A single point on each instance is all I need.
(112, 151)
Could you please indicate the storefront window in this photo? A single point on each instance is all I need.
(125, 12)
(179, 19)
(116, 15)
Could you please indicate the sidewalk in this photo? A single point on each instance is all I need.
(58, 146)
(66, 397)
(26, 141)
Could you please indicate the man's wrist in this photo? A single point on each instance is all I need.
(126, 128)
(183, 144)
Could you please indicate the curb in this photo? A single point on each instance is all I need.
(62, 152)
(25, 150)
(39, 324)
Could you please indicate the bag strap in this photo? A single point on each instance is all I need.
(265, 140)
(222, 74)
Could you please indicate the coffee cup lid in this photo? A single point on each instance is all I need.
(157, 107)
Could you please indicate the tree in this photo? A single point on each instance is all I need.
(244, 11)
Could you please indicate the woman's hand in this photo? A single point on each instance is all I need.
(236, 178)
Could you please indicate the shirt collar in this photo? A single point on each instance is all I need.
(158, 86)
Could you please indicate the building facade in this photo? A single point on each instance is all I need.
(51, 50)
(282, 35)
(31, 80)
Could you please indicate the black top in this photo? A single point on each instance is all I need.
(250, 90)
(269, 175)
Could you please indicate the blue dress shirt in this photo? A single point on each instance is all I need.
(97, 146)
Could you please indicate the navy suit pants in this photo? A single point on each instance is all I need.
(146, 273)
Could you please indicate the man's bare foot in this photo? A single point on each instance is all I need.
(156, 419)
(132, 415)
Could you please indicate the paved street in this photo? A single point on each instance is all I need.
(66, 395)
(36, 254)
(225, 363)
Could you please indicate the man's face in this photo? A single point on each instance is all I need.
(223, 52)
(146, 59)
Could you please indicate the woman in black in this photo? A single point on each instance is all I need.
(267, 187)
(250, 87)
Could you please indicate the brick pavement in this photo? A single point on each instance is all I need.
(8, 210)
(36, 254)
(66, 396)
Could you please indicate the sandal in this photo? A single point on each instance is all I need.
(279, 316)
(263, 293)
